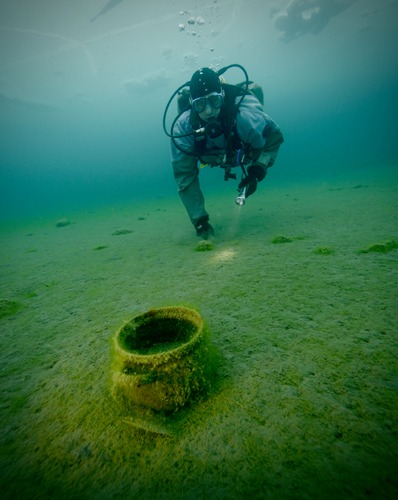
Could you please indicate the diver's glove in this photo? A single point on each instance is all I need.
(255, 174)
(203, 228)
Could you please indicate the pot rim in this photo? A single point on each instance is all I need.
(176, 312)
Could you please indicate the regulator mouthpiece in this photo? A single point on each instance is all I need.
(241, 199)
(212, 128)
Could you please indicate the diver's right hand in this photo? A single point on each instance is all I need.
(255, 174)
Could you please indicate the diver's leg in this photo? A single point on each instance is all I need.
(186, 174)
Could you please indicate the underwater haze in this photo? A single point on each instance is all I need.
(294, 393)
(83, 87)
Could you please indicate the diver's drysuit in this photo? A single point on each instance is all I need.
(254, 133)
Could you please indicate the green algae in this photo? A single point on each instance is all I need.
(63, 223)
(286, 239)
(119, 232)
(204, 246)
(281, 239)
(9, 307)
(324, 251)
(384, 247)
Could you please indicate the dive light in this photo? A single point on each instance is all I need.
(241, 199)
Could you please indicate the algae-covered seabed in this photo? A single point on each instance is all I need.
(305, 402)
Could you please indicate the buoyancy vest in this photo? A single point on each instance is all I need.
(227, 119)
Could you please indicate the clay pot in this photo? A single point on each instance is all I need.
(160, 359)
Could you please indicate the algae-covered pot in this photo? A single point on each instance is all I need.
(160, 359)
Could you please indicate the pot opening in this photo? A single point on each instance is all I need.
(151, 335)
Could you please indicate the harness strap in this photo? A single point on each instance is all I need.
(227, 120)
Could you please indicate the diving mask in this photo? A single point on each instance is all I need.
(215, 100)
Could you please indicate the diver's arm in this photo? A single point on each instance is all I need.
(259, 131)
(265, 157)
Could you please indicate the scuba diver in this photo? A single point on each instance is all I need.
(220, 125)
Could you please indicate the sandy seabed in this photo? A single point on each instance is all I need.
(305, 401)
